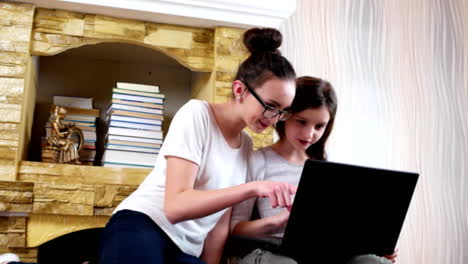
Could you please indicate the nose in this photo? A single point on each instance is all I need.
(309, 134)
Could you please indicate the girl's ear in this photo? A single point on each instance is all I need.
(238, 89)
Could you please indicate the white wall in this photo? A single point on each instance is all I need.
(400, 71)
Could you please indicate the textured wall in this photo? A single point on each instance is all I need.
(400, 70)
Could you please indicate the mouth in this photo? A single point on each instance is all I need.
(262, 125)
(303, 142)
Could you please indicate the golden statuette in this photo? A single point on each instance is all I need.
(64, 142)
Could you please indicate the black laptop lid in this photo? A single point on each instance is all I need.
(344, 210)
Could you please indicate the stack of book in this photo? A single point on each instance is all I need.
(135, 133)
(81, 114)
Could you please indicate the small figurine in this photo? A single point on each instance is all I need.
(65, 141)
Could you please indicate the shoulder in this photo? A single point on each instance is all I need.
(194, 106)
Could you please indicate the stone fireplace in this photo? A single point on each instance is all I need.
(40, 202)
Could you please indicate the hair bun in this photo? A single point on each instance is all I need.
(262, 40)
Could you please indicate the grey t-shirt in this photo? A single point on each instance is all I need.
(266, 164)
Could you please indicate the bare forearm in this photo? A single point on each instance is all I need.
(255, 228)
(191, 204)
(216, 239)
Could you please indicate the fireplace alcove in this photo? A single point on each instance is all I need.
(45, 201)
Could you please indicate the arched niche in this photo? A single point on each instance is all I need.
(55, 31)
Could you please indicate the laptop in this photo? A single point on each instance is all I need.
(343, 210)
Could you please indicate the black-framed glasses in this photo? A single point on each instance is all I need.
(268, 110)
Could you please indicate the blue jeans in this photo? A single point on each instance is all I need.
(134, 238)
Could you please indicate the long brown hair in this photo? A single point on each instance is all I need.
(313, 93)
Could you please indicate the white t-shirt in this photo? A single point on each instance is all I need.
(193, 135)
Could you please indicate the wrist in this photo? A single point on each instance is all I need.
(252, 189)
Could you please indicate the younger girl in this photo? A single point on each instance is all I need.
(303, 136)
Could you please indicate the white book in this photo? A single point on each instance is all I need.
(135, 139)
(137, 98)
(75, 102)
(132, 148)
(137, 109)
(121, 131)
(134, 125)
(138, 87)
(129, 157)
(132, 119)
(130, 92)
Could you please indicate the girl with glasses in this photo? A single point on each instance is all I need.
(201, 169)
(303, 136)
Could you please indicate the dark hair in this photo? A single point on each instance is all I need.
(265, 60)
(313, 93)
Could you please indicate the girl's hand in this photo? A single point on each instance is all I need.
(278, 192)
(392, 257)
(280, 220)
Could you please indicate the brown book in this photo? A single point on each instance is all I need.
(78, 111)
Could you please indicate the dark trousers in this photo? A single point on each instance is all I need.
(133, 238)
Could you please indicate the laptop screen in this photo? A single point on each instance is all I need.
(343, 210)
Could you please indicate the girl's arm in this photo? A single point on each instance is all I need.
(216, 239)
(262, 227)
(182, 202)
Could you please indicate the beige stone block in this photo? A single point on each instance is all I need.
(12, 70)
(15, 33)
(227, 77)
(108, 197)
(68, 199)
(16, 196)
(10, 112)
(105, 195)
(225, 92)
(12, 231)
(9, 131)
(17, 46)
(7, 154)
(109, 27)
(11, 87)
(14, 207)
(51, 44)
(59, 21)
(227, 64)
(169, 38)
(86, 174)
(55, 179)
(13, 58)
(202, 52)
(18, 12)
(205, 37)
(225, 32)
(230, 47)
(9, 143)
(204, 64)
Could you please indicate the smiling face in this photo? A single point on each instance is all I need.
(305, 128)
(275, 93)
